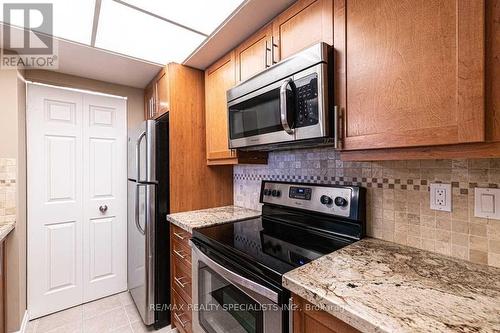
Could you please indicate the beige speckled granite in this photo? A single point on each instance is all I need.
(5, 229)
(212, 216)
(378, 286)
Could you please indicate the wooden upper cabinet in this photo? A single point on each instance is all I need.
(162, 94)
(305, 23)
(149, 96)
(254, 54)
(218, 79)
(492, 66)
(157, 96)
(410, 73)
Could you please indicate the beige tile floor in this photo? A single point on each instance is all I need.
(116, 314)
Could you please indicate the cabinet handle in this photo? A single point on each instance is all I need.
(273, 46)
(179, 319)
(179, 236)
(180, 254)
(179, 281)
(339, 117)
(266, 55)
(151, 108)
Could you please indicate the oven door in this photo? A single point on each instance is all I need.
(294, 108)
(225, 301)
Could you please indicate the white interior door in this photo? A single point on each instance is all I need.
(105, 196)
(54, 155)
(75, 252)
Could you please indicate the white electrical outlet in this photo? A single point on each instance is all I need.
(441, 197)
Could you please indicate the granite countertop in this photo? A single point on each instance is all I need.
(207, 217)
(6, 228)
(378, 286)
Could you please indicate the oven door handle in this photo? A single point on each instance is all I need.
(235, 278)
(284, 106)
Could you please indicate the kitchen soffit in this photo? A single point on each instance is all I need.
(156, 31)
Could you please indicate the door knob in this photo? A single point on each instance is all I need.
(103, 209)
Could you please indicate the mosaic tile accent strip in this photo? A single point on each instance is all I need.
(398, 197)
(399, 184)
(7, 190)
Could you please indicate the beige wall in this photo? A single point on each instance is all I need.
(13, 145)
(8, 113)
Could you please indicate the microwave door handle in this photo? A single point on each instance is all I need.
(284, 107)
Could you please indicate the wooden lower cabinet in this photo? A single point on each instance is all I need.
(308, 319)
(181, 279)
(182, 317)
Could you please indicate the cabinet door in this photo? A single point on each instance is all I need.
(416, 79)
(180, 279)
(254, 54)
(305, 23)
(218, 79)
(162, 94)
(310, 319)
(149, 95)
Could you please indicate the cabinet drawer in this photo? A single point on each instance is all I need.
(180, 245)
(181, 252)
(181, 314)
(181, 280)
(180, 235)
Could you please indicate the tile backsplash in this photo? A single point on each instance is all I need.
(7, 189)
(397, 197)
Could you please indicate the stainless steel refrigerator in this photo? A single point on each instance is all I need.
(148, 232)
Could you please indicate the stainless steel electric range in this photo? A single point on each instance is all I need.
(238, 267)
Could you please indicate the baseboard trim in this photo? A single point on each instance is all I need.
(24, 323)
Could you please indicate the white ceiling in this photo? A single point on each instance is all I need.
(239, 26)
(135, 28)
(93, 63)
(149, 34)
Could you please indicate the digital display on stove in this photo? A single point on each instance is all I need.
(302, 193)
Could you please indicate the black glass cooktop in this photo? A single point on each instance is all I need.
(273, 245)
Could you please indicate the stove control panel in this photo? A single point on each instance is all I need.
(328, 199)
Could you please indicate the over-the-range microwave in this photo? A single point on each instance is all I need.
(288, 104)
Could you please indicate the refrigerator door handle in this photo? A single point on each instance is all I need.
(138, 155)
(137, 224)
(150, 246)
